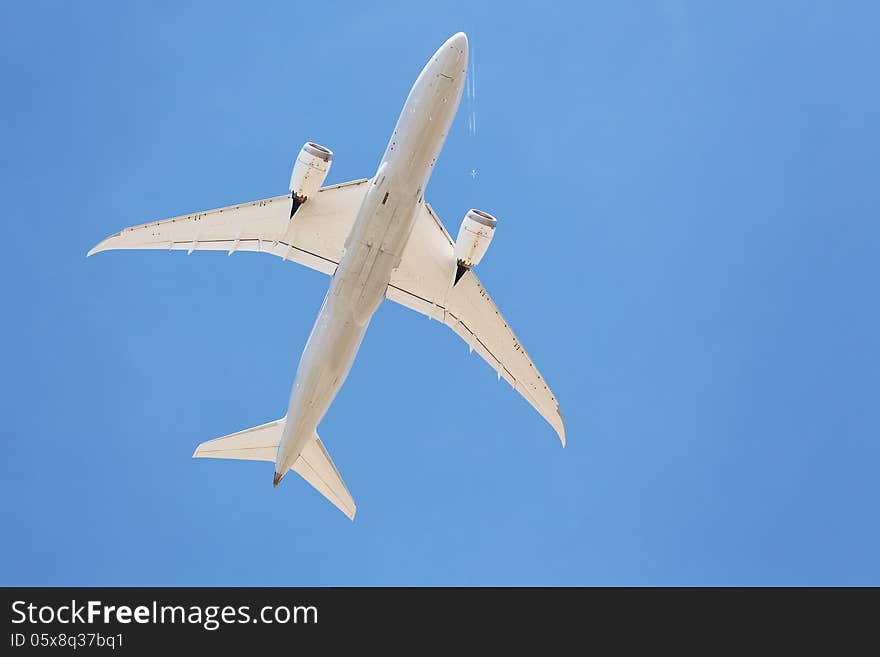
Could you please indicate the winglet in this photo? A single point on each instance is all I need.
(103, 245)
(561, 428)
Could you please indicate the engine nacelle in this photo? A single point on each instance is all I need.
(474, 237)
(309, 171)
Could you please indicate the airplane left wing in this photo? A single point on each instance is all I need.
(314, 236)
(425, 282)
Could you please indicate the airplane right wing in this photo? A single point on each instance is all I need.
(315, 235)
(425, 282)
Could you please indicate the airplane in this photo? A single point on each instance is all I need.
(378, 239)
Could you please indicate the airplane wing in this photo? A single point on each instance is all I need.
(314, 237)
(424, 282)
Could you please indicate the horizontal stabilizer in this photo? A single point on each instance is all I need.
(255, 444)
(316, 467)
(261, 444)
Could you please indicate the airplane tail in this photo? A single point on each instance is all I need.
(261, 444)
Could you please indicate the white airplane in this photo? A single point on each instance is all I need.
(378, 239)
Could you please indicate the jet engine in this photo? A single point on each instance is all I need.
(474, 237)
(309, 171)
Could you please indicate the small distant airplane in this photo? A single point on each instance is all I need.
(378, 240)
(473, 173)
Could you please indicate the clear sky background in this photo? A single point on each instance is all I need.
(688, 247)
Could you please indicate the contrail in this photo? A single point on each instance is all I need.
(471, 86)
(473, 76)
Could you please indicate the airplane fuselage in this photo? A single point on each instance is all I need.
(375, 245)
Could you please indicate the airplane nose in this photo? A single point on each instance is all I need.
(452, 55)
(458, 43)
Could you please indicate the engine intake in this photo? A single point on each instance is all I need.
(474, 237)
(309, 171)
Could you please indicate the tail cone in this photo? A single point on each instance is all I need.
(276, 479)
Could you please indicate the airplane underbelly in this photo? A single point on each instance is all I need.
(325, 364)
(374, 251)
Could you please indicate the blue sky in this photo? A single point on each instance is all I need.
(687, 246)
